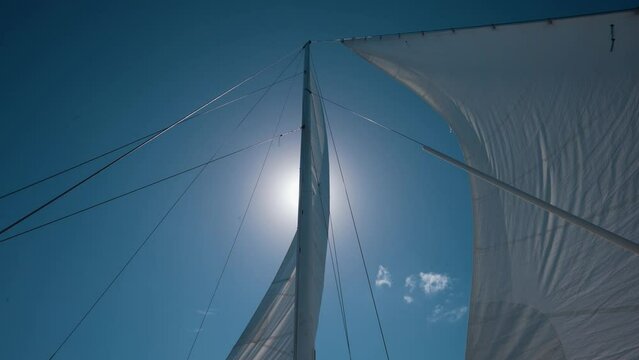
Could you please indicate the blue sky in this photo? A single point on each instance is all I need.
(77, 79)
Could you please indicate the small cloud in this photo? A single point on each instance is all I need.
(206, 313)
(408, 299)
(433, 283)
(410, 283)
(197, 330)
(441, 313)
(383, 277)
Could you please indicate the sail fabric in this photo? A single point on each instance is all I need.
(285, 323)
(313, 216)
(551, 108)
(269, 334)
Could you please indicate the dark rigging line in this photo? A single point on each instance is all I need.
(164, 130)
(336, 273)
(239, 229)
(75, 166)
(335, 264)
(370, 120)
(103, 202)
(251, 93)
(334, 261)
(336, 270)
(120, 147)
(166, 214)
(338, 285)
(359, 243)
(126, 264)
(594, 229)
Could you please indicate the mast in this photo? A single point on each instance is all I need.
(303, 346)
(284, 325)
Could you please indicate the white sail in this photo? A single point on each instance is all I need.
(285, 323)
(551, 108)
(269, 334)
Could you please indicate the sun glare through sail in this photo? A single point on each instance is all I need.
(287, 194)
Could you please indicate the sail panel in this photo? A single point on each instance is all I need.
(552, 108)
(285, 323)
(269, 333)
(312, 217)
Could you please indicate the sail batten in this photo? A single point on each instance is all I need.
(550, 108)
(284, 325)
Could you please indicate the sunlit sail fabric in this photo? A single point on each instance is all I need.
(552, 108)
(269, 334)
(285, 323)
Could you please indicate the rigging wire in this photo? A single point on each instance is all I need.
(130, 192)
(359, 243)
(120, 147)
(595, 229)
(166, 214)
(338, 284)
(409, 138)
(335, 263)
(239, 229)
(132, 150)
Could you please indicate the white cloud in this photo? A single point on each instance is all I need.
(206, 313)
(410, 283)
(383, 277)
(451, 315)
(408, 299)
(433, 283)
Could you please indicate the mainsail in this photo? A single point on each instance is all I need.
(551, 108)
(285, 323)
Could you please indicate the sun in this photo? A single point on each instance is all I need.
(288, 194)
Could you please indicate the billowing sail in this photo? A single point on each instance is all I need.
(285, 323)
(269, 334)
(551, 108)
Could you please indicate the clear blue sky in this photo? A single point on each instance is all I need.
(78, 78)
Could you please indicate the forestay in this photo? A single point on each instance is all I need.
(285, 323)
(551, 108)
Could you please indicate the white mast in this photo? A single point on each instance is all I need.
(312, 219)
(285, 323)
